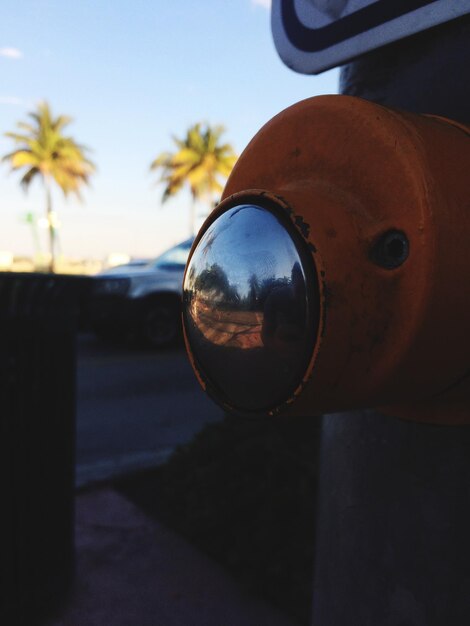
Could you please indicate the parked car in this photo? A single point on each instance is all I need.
(143, 301)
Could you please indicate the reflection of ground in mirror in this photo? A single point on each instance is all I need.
(240, 329)
(236, 358)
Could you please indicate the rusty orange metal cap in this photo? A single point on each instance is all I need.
(334, 273)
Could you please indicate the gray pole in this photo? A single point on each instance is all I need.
(393, 527)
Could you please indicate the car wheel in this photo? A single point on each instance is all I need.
(161, 325)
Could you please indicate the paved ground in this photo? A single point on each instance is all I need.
(133, 407)
(134, 572)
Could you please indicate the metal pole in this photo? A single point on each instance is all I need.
(393, 540)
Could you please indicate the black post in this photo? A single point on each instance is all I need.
(38, 324)
(393, 529)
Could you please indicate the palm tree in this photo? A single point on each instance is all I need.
(48, 154)
(200, 161)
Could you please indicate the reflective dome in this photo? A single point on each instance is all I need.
(251, 308)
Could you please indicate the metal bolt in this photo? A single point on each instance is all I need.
(391, 249)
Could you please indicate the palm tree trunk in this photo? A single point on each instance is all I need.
(36, 239)
(30, 219)
(50, 226)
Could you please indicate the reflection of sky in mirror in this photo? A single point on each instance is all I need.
(247, 241)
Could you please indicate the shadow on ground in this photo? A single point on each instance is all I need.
(244, 492)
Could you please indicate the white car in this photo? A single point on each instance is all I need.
(141, 300)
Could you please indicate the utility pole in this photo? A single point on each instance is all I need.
(393, 541)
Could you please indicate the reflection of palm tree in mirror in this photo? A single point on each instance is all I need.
(218, 311)
(213, 284)
(285, 309)
(298, 285)
(253, 297)
(270, 284)
(270, 312)
(188, 292)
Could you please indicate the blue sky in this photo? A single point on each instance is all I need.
(131, 73)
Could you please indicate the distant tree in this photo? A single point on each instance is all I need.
(53, 157)
(200, 161)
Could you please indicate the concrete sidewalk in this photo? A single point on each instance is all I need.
(131, 571)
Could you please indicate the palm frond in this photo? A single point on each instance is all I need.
(19, 138)
(25, 126)
(162, 160)
(23, 158)
(60, 122)
(28, 177)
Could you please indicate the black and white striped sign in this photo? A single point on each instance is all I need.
(315, 35)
